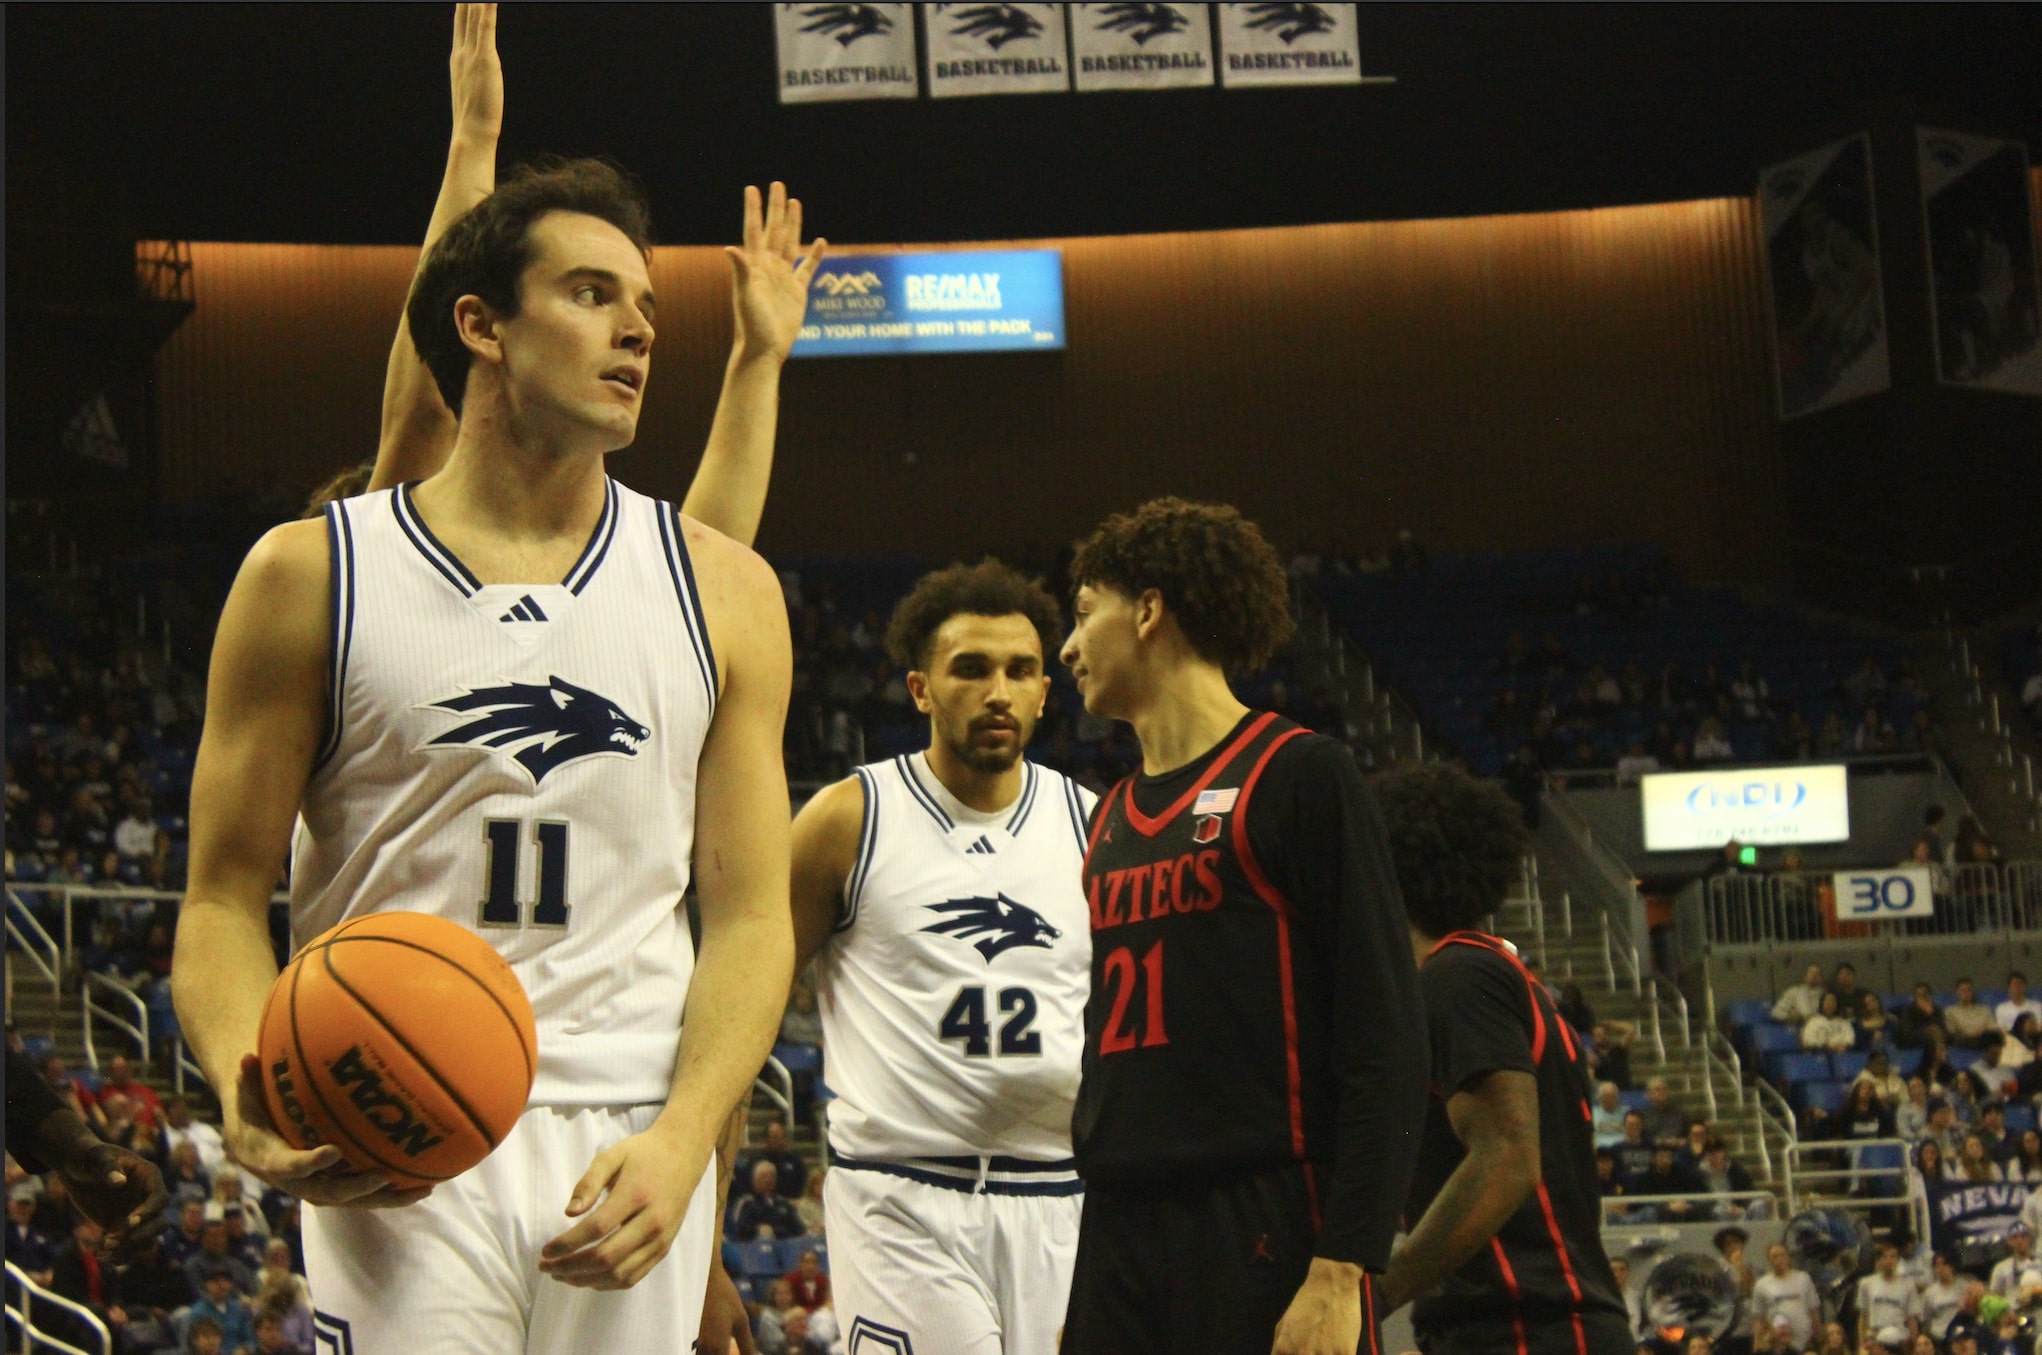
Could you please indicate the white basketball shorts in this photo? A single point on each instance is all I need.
(458, 1274)
(947, 1265)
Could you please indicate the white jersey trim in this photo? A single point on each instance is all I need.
(340, 551)
(683, 571)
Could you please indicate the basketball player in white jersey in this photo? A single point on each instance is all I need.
(939, 896)
(494, 696)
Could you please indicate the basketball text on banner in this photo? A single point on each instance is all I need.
(1981, 234)
(1141, 46)
(1822, 261)
(1288, 44)
(1876, 895)
(995, 49)
(935, 303)
(831, 52)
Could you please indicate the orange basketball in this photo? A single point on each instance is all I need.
(402, 1039)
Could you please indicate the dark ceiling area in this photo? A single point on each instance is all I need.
(328, 123)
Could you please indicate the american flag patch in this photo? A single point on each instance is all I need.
(1215, 801)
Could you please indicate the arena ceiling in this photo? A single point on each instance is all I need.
(328, 123)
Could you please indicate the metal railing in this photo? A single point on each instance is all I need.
(25, 1291)
(1790, 905)
(1624, 1211)
(137, 1030)
(1801, 1175)
(181, 1064)
(778, 1085)
(29, 938)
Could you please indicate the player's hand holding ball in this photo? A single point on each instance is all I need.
(397, 1050)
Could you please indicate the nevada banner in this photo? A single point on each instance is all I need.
(1975, 205)
(1822, 267)
(995, 49)
(831, 52)
(1288, 44)
(1141, 46)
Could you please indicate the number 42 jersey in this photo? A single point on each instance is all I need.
(521, 759)
(952, 992)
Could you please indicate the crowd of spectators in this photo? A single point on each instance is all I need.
(225, 1277)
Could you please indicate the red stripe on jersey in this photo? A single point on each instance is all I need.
(1312, 1195)
(1566, 1266)
(1483, 941)
(1149, 827)
(1510, 1283)
(1368, 1312)
(1278, 904)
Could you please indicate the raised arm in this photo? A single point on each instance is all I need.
(418, 428)
(746, 960)
(265, 714)
(769, 280)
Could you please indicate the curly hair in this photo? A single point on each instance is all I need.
(484, 253)
(341, 485)
(1218, 575)
(1456, 843)
(987, 588)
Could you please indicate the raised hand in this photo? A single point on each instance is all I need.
(476, 74)
(770, 274)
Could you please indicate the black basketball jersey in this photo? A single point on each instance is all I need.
(1545, 1269)
(1253, 998)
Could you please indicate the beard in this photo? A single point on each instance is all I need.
(965, 748)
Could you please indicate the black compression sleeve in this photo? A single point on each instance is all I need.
(1317, 824)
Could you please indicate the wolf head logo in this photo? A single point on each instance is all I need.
(998, 25)
(1291, 21)
(1142, 21)
(999, 923)
(556, 724)
(845, 23)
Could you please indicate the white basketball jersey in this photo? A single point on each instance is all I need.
(953, 991)
(521, 759)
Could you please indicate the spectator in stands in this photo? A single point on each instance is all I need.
(1827, 1030)
(789, 1167)
(1610, 1053)
(1525, 781)
(1786, 1292)
(1875, 1028)
(1665, 1122)
(809, 1206)
(27, 1245)
(1965, 1095)
(1723, 1175)
(1668, 1175)
(1695, 1146)
(2020, 1270)
(152, 1288)
(2026, 1163)
(1636, 763)
(1946, 1131)
(1711, 743)
(1803, 1000)
(1620, 1267)
(120, 1077)
(1991, 1072)
(801, 1025)
(186, 1179)
(1873, 734)
(231, 1188)
(1844, 983)
(74, 1093)
(1967, 1019)
(1935, 1067)
(2017, 1001)
(1932, 1166)
(1888, 1305)
(243, 1245)
(1992, 1131)
(1885, 1083)
(179, 1126)
(1974, 1165)
(181, 1243)
(1911, 1117)
(1633, 1153)
(1573, 1005)
(1917, 1018)
(281, 1297)
(1834, 738)
(1861, 1116)
(134, 837)
(1942, 1298)
(811, 1287)
(1609, 1115)
(213, 1254)
(1730, 1244)
(220, 1303)
(1610, 1182)
(764, 1211)
(771, 1329)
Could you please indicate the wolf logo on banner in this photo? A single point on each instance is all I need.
(1822, 256)
(995, 49)
(1141, 46)
(1289, 44)
(845, 51)
(1975, 207)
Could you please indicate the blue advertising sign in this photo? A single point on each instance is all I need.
(935, 303)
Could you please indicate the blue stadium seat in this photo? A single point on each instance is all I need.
(1827, 1097)
(762, 1259)
(1774, 1038)
(1847, 1064)
(1907, 1062)
(792, 1247)
(799, 1058)
(1633, 1100)
(37, 1047)
(2020, 1117)
(1961, 1059)
(1789, 1069)
(1884, 1157)
(1751, 1011)
(1895, 1001)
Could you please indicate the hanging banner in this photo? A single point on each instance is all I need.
(1822, 264)
(995, 49)
(1288, 44)
(935, 303)
(1981, 234)
(833, 52)
(1140, 46)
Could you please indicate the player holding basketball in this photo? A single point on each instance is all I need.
(939, 895)
(1254, 1065)
(1505, 1250)
(495, 696)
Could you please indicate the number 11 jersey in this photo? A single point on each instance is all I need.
(521, 759)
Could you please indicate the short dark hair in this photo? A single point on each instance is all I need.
(1456, 844)
(1846, 964)
(484, 252)
(987, 588)
(1217, 573)
(2013, 974)
(1729, 1235)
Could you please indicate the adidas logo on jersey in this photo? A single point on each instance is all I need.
(982, 847)
(525, 609)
